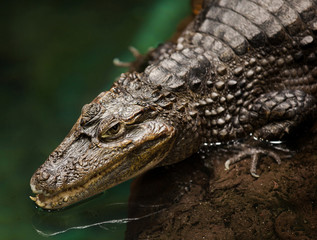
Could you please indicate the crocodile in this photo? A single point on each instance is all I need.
(239, 69)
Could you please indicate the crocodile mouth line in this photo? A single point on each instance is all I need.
(68, 196)
(91, 187)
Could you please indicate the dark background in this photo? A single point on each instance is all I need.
(55, 56)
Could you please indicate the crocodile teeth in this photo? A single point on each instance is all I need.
(32, 198)
(41, 204)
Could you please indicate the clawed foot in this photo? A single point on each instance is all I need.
(255, 154)
(136, 54)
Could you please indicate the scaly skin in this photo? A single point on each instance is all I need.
(240, 67)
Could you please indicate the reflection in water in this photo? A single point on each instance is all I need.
(103, 211)
(49, 225)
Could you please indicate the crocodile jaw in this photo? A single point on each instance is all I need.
(125, 159)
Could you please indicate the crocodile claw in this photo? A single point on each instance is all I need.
(118, 63)
(136, 54)
(254, 153)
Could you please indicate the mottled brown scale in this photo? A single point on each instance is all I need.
(239, 68)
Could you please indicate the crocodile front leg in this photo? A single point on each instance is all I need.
(278, 113)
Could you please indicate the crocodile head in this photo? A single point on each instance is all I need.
(118, 135)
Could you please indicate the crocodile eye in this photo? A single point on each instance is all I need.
(111, 131)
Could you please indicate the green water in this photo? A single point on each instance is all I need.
(55, 56)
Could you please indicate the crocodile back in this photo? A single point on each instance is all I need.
(232, 55)
(265, 45)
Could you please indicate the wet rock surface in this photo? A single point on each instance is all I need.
(198, 199)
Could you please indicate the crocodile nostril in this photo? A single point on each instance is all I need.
(44, 176)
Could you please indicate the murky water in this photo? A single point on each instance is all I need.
(55, 56)
(104, 213)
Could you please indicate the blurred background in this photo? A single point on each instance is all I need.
(56, 56)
